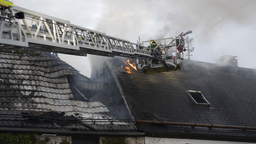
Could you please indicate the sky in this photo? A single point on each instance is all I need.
(153, 19)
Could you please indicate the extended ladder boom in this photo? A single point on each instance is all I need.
(39, 32)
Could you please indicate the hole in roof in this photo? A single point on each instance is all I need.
(198, 97)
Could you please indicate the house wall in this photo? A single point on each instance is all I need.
(136, 140)
(54, 139)
(150, 140)
(154, 140)
(130, 140)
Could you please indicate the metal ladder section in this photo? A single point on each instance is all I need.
(39, 32)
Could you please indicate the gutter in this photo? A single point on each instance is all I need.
(8, 129)
(197, 125)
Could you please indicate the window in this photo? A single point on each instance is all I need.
(198, 97)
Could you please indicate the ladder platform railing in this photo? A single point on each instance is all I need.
(40, 32)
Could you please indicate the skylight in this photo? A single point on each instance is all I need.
(198, 97)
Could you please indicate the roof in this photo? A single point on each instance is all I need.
(227, 60)
(112, 94)
(33, 88)
(163, 97)
(226, 57)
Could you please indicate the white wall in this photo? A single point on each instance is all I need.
(131, 140)
(136, 140)
(154, 140)
(150, 140)
(49, 139)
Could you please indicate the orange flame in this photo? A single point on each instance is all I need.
(128, 70)
(132, 65)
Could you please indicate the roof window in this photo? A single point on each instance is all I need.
(198, 97)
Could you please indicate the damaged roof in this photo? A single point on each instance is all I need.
(163, 97)
(34, 88)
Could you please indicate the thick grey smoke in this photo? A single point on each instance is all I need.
(97, 64)
(151, 19)
(125, 19)
(158, 19)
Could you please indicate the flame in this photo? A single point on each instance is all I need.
(128, 70)
(132, 65)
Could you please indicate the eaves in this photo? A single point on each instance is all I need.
(201, 136)
(70, 132)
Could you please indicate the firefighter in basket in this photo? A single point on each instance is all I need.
(155, 49)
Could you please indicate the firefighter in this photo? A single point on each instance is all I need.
(153, 44)
(155, 49)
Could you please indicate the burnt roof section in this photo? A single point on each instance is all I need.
(111, 96)
(39, 84)
(162, 97)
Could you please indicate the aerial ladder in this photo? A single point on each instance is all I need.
(30, 32)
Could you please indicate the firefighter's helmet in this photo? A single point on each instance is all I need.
(153, 42)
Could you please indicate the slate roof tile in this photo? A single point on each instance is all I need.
(230, 91)
(40, 84)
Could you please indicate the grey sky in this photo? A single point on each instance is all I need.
(152, 19)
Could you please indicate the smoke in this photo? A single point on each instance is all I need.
(111, 96)
(151, 19)
(97, 64)
(165, 18)
(126, 19)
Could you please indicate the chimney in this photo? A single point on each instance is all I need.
(227, 61)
